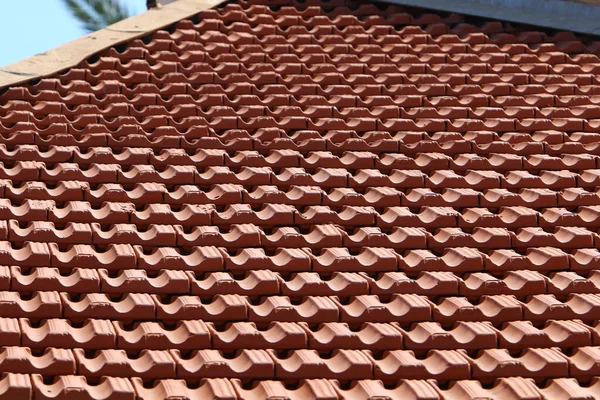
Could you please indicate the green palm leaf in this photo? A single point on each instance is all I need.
(97, 14)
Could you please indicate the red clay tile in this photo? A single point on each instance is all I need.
(244, 235)
(499, 308)
(278, 335)
(107, 213)
(75, 386)
(166, 388)
(534, 363)
(148, 364)
(339, 335)
(16, 386)
(36, 305)
(400, 308)
(454, 260)
(432, 283)
(308, 364)
(505, 388)
(44, 231)
(200, 259)
(261, 282)
(189, 214)
(284, 260)
(217, 194)
(370, 259)
(405, 389)
(520, 334)
(220, 308)
(584, 259)
(311, 284)
(567, 282)
(155, 335)
(464, 335)
(153, 235)
(92, 334)
(583, 362)
(51, 362)
(439, 364)
(246, 364)
(280, 308)
(562, 388)
(320, 236)
(115, 256)
(481, 283)
(11, 331)
(400, 238)
(138, 281)
(541, 307)
(392, 282)
(99, 305)
(44, 278)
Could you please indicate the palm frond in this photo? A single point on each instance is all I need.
(97, 14)
(111, 10)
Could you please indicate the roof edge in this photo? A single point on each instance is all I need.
(72, 53)
(568, 15)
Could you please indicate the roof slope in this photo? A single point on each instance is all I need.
(306, 200)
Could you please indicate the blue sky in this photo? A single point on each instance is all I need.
(33, 26)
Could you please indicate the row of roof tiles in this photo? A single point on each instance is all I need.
(421, 337)
(158, 121)
(403, 308)
(256, 12)
(337, 259)
(21, 386)
(428, 27)
(312, 14)
(412, 71)
(434, 38)
(188, 335)
(159, 125)
(444, 365)
(278, 215)
(520, 283)
(409, 143)
(514, 83)
(379, 38)
(450, 144)
(395, 106)
(361, 162)
(253, 116)
(453, 70)
(327, 34)
(326, 236)
(322, 177)
(397, 49)
(181, 102)
(52, 195)
(420, 48)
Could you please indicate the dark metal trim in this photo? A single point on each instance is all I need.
(556, 14)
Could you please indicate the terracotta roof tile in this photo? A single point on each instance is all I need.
(287, 200)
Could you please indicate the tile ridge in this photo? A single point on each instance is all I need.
(72, 53)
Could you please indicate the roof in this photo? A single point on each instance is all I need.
(304, 200)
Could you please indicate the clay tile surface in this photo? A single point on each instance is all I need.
(317, 200)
